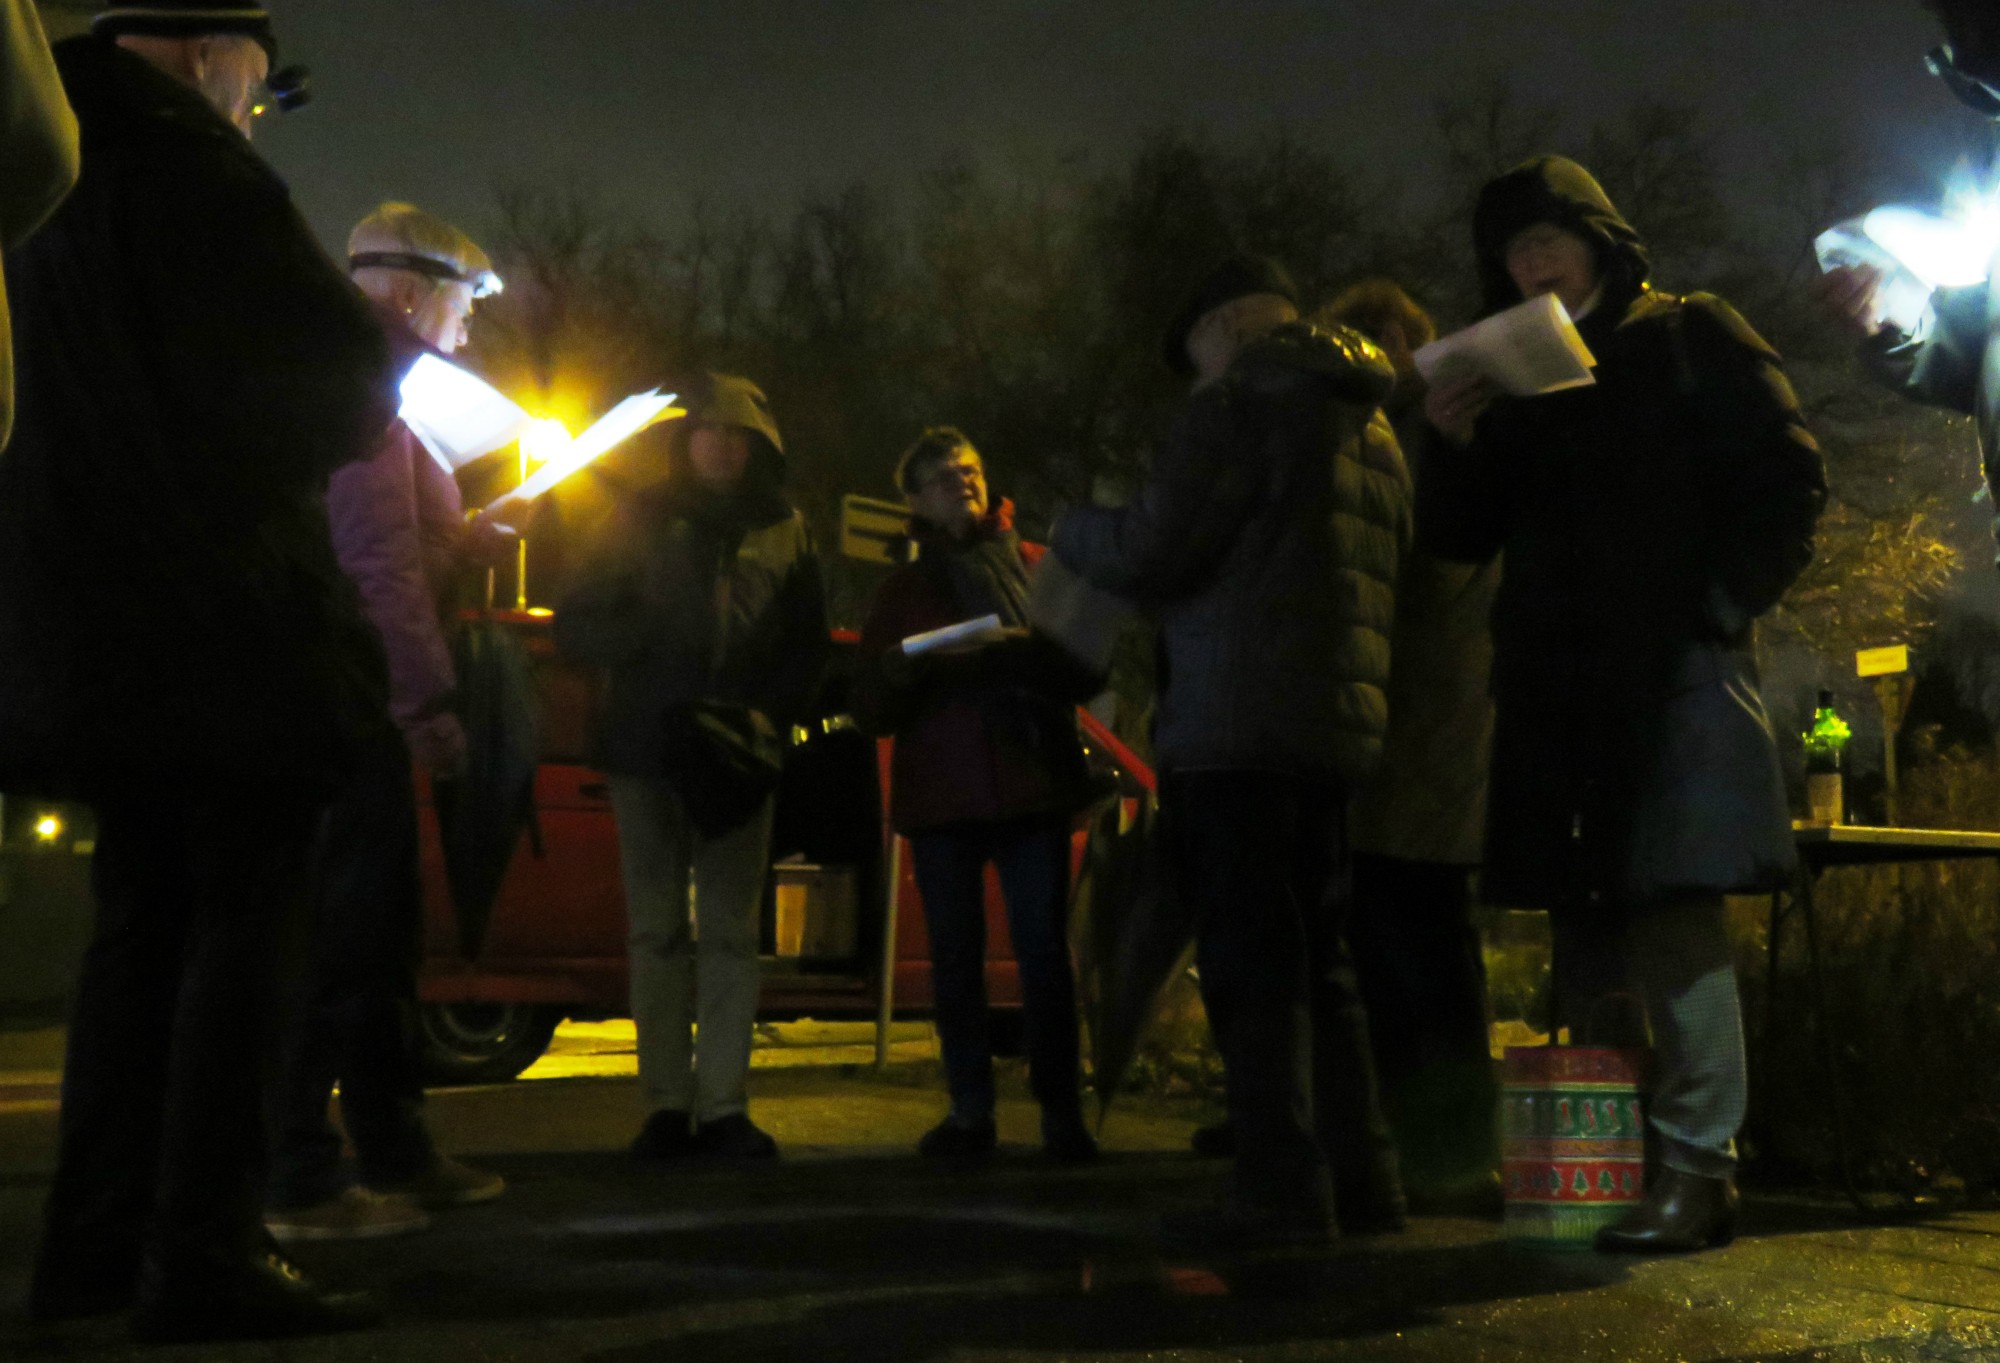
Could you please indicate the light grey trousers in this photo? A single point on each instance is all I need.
(693, 961)
(1674, 957)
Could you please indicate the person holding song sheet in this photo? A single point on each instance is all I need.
(703, 602)
(399, 530)
(1646, 519)
(988, 770)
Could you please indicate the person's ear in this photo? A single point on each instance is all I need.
(197, 56)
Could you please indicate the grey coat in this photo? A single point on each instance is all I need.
(1267, 540)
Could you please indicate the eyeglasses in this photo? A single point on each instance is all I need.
(964, 471)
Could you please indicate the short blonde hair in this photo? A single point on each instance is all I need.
(400, 228)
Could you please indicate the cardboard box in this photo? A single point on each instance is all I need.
(816, 910)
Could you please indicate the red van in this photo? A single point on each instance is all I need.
(553, 946)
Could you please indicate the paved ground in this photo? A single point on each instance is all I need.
(851, 1252)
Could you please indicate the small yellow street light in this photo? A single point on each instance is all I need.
(48, 828)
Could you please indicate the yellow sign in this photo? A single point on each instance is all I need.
(1882, 662)
(874, 531)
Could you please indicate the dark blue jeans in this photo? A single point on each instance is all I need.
(354, 1017)
(1263, 859)
(1032, 858)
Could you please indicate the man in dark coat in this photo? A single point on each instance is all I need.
(1950, 361)
(1647, 520)
(1267, 540)
(987, 770)
(179, 647)
(704, 604)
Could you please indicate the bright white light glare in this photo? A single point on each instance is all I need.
(48, 828)
(458, 415)
(545, 439)
(621, 423)
(1945, 252)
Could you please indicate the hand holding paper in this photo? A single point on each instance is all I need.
(460, 417)
(1530, 349)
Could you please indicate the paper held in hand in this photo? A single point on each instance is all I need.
(1528, 350)
(460, 417)
(985, 630)
(1915, 252)
(622, 422)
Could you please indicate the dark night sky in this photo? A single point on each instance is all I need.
(753, 101)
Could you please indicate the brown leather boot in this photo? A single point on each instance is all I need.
(1682, 1213)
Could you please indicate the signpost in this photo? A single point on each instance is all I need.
(874, 531)
(1890, 669)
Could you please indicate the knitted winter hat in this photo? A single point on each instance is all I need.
(189, 19)
(1237, 277)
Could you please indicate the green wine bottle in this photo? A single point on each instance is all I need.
(1826, 750)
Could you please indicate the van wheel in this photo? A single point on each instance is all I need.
(482, 1043)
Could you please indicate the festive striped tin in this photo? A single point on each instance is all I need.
(1572, 1141)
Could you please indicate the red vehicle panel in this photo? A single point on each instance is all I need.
(555, 942)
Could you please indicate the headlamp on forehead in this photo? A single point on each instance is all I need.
(484, 283)
(1968, 89)
(291, 88)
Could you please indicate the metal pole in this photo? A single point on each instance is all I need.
(886, 1003)
(521, 549)
(1889, 695)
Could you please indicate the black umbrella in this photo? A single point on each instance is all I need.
(482, 812)
(1133, 935)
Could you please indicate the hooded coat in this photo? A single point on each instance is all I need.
(192, 367)
(988, 737)
(1267, 541)
(691, 595)
(1646, 521)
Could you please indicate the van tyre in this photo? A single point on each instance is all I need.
(482, 1043)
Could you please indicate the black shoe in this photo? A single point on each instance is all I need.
(1217, 1141)
(1682, 1213)
(734, 1137)
(70, 1286)
(1065, 1139)
(959, 1142)
(1232, 1227)
(261, 1296)
(667, 1134)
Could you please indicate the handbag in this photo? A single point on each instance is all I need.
(723, 760)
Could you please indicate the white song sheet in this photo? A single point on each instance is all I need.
(459, 416)
(984, 630)
(1528, 350)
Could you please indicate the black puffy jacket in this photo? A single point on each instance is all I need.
(1267, 541)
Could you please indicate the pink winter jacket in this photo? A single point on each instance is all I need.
(398, 528)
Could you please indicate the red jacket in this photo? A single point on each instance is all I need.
(979, 738)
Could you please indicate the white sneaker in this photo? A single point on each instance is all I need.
(357, 1214)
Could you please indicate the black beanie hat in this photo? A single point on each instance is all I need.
(1239, 276)
(189, 19)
